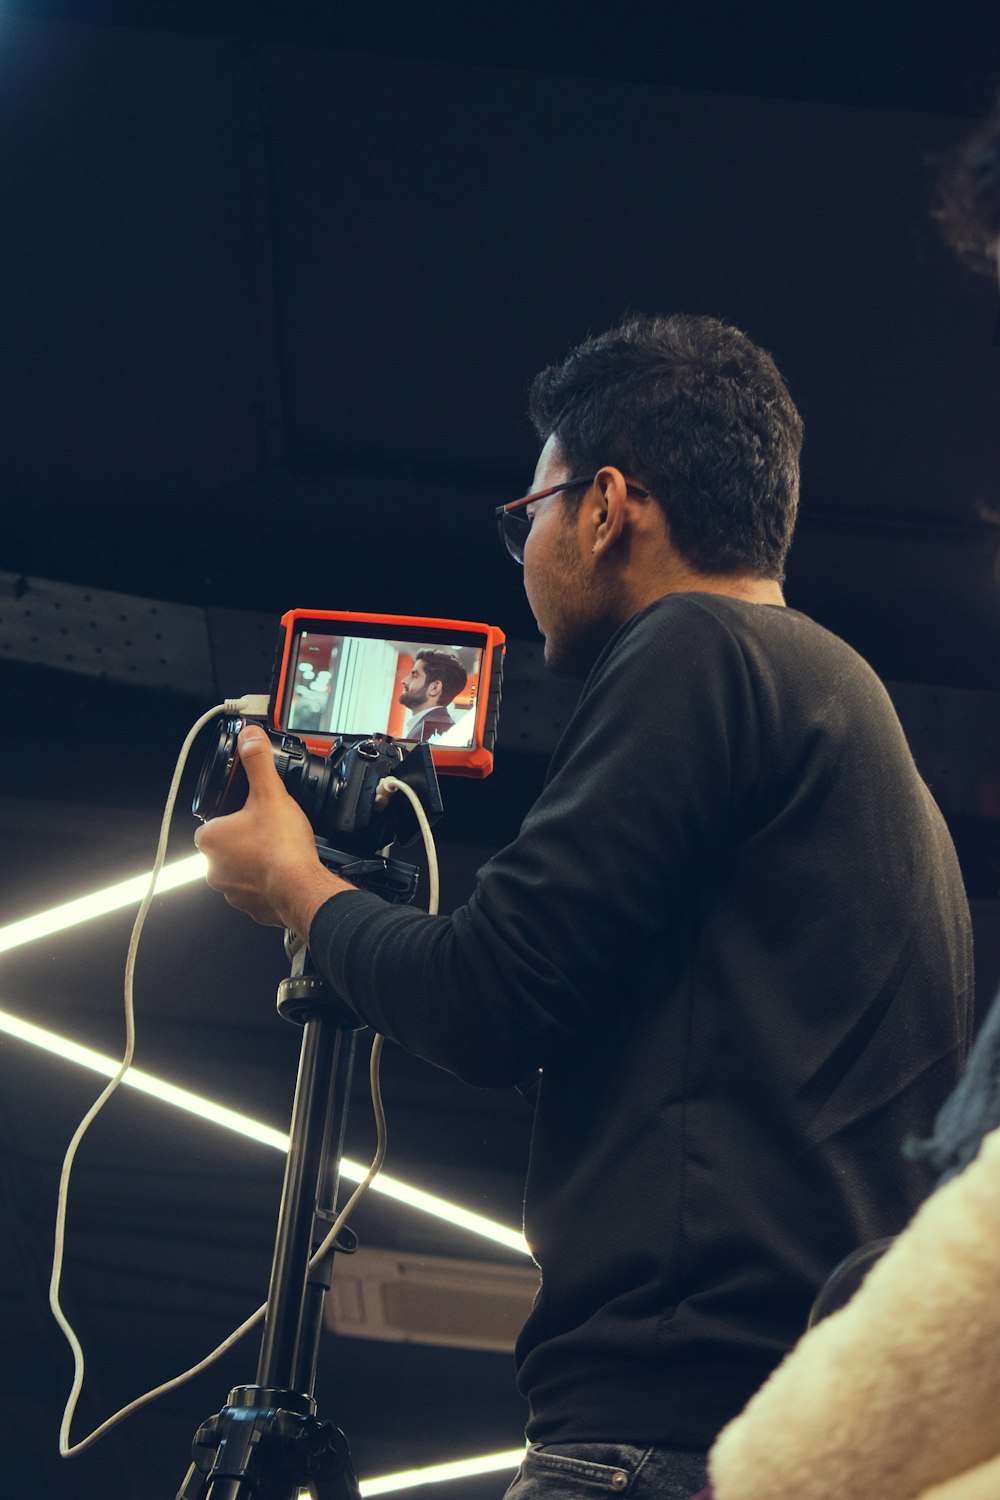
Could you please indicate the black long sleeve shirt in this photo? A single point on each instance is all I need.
(732, 933)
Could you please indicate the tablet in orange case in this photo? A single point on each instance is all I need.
(340, 675)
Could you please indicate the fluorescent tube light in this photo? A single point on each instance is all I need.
(410, 1479)
(256, 1130)
(99, 903)
(464, 1468)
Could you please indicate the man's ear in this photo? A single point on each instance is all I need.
(610, 511)
(433, 689)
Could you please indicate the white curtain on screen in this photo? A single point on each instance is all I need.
(366, 687)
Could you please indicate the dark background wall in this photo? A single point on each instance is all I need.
(273, 281)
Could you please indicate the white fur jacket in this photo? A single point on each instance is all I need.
(897, 1395)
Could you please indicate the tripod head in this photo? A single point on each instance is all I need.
(392, 879)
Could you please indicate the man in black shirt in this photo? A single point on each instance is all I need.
(731, 932)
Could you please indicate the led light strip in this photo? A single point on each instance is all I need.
(464, 1468)
(112, 898)
(129, 893)
(255, 1130)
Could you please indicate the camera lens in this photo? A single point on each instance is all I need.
(336, 792)
(313, 781)
(222, 786)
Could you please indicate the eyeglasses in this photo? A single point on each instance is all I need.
(514, 519)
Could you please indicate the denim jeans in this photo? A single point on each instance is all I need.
(590, 1471)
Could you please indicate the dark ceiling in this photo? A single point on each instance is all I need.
(274, 278)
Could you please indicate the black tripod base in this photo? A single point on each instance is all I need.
(269, 1445)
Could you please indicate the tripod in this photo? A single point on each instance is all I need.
(267, 1442)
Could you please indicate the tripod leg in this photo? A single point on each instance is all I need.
(193, 1487)
(267, 1443)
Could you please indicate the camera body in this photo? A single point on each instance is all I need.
(336, 790)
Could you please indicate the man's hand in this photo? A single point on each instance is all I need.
(263, 858)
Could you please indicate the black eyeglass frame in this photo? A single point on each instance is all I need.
(514, 529)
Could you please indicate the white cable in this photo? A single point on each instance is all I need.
(392, 784)
(256, 1317)
(255, 707)
(98, 1105)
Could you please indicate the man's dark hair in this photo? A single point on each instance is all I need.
(444, 667)
(699, 415)
(969, 196)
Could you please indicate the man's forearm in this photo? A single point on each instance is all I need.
(302, 898)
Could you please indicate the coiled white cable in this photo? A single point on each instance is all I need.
(256, 706)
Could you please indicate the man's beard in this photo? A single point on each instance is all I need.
(584, 609)
(573, 656)
(411, 700)
(579, 642)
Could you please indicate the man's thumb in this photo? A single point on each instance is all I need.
(258, 762)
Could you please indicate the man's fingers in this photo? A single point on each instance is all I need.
(258, 762)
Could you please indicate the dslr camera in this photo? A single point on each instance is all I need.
(356, 698)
